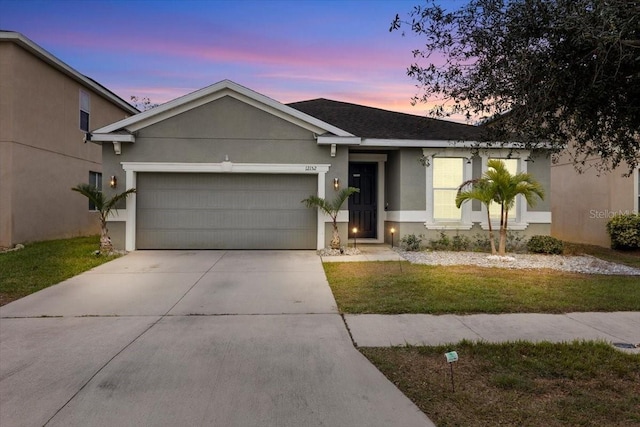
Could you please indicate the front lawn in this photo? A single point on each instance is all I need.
(401, 287)
(517, 384)
(42, 264)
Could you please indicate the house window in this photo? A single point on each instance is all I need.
(85, 110)
(494, 208)
(95, 179)
(448, 174)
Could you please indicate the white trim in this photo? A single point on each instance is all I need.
(114, 137)
(56, 63)
(130, 225)
(338, 140)
(227, 167)
(216, 91)
(133, 168)
(467, 172)
(407, 216)
(418, 143)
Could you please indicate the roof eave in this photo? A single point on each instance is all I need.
(32, 47)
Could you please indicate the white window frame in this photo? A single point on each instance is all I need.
(85, 107)
(516, 222)
(465, 218)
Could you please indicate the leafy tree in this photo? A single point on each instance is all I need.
(558, 74)
(484, 191)
(142, 103)
(332, 208)
(104, 206)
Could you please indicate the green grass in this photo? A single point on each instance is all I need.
(42, 264)
(544, 384)
(401, 287)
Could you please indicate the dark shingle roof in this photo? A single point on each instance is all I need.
(369, 122)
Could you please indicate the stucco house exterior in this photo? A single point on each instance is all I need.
(582, 204)
(226, 168)
(46, 108)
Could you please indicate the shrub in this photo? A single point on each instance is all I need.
(460, 243)
(441, 244)
(515, 242)
(411, 242)
(624, 231)
(545, 245)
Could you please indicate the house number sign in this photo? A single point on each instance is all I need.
(310, 168)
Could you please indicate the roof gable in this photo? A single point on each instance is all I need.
(212, 93)
(369, 122)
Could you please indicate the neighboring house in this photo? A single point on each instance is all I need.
(226, 168)
(46, 108)
(582, 204)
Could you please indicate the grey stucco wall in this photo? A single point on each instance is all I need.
(418, 228)
(540, 169)
(209, 133)
(405, 186)
(225, 127)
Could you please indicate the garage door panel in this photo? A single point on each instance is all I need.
(225, 211)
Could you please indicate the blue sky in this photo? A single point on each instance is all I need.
(288, 50)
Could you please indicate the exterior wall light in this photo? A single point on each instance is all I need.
(393, 230)
(355, 234)
(336, 183)
(113, 182)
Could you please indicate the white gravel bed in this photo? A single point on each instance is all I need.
(575, 264)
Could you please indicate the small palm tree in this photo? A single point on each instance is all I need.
(506, 188)
(483, 191)
(104, 206)
(331, 208)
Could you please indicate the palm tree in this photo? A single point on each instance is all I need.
(331, 208)
(506, 188)
(104, 206)
(483, 191)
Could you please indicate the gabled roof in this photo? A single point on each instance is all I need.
(33, 48)
(369, 122)
(211, 93)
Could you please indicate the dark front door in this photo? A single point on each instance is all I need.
(363, 206)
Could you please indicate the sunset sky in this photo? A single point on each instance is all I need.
(287, 50)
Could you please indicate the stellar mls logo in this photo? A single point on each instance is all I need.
(607, 214)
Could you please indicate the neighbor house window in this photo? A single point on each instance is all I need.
(448, 174)
(95, 179)
(85, 110)
(494, 208)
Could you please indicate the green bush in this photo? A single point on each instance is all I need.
(441, 244)
(460, 243)
(624, 231)
(411, 242)
(545, 245)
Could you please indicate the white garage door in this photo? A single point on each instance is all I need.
(224, 211)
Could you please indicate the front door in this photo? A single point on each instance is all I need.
(363, 206)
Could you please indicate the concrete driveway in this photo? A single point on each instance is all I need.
(165, 338)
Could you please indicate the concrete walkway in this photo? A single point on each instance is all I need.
(201, 338)
(375, 330)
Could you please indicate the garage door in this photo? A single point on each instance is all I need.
(224, 211)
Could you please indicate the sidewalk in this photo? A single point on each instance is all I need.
(378, 330)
